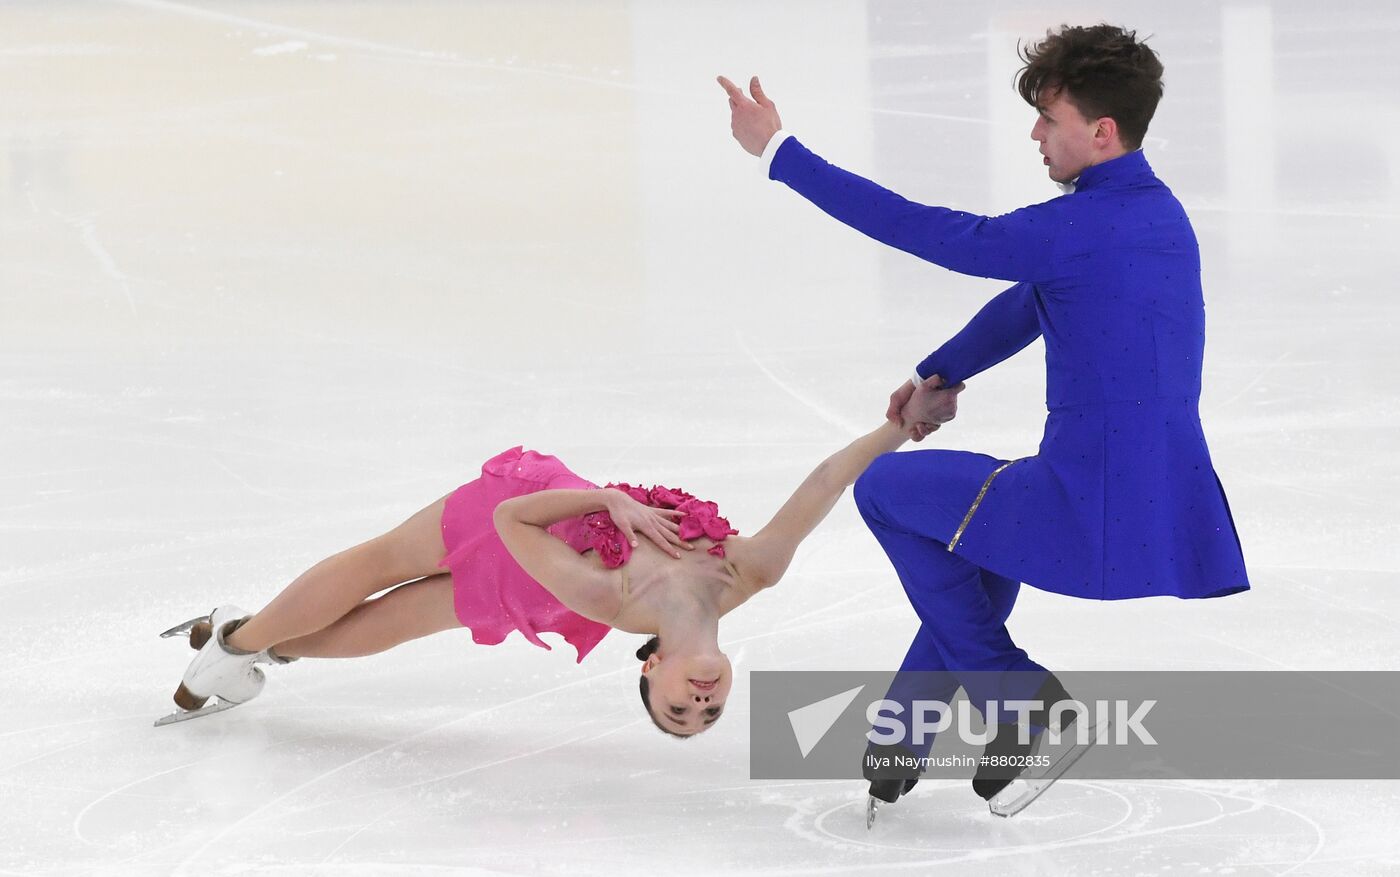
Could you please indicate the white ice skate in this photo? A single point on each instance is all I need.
(199, 630)
(1032, 784)
(217, 672)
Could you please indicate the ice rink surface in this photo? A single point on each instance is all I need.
(275, 275)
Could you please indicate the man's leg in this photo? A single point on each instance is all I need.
(924, 675)
(1002, 592)
(923, 652)
(963, 607)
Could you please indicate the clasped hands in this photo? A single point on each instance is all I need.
(921, 410)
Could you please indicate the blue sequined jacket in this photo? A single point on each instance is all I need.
(1122, 499)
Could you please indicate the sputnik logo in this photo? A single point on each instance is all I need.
(811, 722)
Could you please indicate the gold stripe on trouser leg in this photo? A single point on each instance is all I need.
(967, 519)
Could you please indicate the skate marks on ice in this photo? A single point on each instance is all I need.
(393, 773)
(385, 817)
(386, 753)
(1224, 824)
(208, 756)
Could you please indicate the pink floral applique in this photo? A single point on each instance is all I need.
(699, 518)
(607, 540)
(638, 493)
(666, 497)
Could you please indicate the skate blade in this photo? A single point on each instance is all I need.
(184, 628)
(1023, 791)
(217, 706)
(872, 806)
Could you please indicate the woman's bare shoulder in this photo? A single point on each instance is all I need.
(750, 570)
(757, 567)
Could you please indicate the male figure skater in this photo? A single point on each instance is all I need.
(1121, 501)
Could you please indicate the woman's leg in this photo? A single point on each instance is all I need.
(330, 589)
(407, 612)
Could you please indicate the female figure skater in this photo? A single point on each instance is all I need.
(531, 546)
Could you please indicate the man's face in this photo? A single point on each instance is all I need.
(1066, 138)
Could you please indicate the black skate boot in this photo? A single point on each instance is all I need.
(1013, 784)
(892, 772)
(1005, 756)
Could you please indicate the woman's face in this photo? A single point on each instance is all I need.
(688, 691)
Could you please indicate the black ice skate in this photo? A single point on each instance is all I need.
(887, 785)
(1011, 774)
(1020, 792)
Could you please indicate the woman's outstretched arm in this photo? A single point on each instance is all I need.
(771, 549)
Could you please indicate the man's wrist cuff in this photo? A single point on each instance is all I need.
(772, 148)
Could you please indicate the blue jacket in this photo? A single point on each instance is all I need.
(1121, 500)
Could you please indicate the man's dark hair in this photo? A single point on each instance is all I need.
(1103, 70)
(642, 654)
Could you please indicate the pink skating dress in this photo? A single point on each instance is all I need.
(492, 595)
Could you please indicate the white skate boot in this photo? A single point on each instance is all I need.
(200, 629)
(218, 671)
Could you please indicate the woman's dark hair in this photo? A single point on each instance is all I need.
(649, 649)
(643, 653)
(1103, 70)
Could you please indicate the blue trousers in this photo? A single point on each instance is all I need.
(962, 639)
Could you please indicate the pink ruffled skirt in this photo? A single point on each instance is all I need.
(492, 595)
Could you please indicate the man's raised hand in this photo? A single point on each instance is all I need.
(754, 120)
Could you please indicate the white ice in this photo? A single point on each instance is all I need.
(273, 276)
